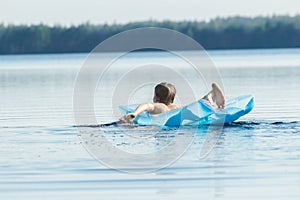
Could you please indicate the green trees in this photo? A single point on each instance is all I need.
(220, 33)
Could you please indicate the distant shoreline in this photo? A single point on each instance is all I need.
(217, 34)
(262, 50)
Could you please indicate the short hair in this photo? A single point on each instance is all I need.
(165, 92)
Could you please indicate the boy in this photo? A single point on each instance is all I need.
(164, 94)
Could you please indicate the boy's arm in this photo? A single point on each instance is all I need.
(149, 107)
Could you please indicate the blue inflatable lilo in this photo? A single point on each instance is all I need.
(196, 113)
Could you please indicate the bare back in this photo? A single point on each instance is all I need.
(162, 108)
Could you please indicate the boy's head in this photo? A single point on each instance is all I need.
(164, 93)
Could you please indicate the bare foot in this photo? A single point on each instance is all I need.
(210, 98)
(218, 95)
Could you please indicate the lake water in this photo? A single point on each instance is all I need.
(41, 155)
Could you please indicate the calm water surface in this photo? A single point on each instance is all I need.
(41, 155)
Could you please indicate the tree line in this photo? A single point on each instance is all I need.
(219, 33)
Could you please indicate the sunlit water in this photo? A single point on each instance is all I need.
(41, 155)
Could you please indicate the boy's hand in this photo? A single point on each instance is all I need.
(128, 118)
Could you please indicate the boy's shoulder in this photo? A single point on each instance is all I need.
(160, 108)
(173, 107)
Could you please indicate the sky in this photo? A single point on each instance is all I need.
(73, 12)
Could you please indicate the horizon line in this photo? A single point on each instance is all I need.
(115, 22)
